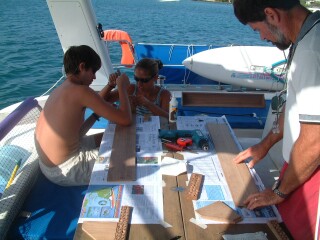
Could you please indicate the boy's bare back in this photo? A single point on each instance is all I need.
(57, 133)
(60, 121)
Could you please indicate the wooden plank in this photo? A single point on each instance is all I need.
(245, 100)
(239, 179)
(123, 156)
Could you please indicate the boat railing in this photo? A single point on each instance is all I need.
(18, 160)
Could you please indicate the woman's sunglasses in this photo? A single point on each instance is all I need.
(143, 80)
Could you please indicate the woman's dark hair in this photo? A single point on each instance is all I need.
(151, 66)
(81, 54)
(253, 10)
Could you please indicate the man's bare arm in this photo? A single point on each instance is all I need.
(260, 150)
(304, 158)
(304, 161)
(121, 115)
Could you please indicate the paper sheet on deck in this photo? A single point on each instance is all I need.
(103, 200)
(215, 187)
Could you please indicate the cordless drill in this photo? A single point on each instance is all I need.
(196, 135)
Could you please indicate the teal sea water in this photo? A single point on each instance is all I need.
(31, 54)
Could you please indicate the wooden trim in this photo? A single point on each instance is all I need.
(195, 185)
(245, 100)
(123, 224)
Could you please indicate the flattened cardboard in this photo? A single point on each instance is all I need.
(219, 211)
(100, 230)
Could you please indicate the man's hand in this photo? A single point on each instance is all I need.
(262, 199)
(256, 152)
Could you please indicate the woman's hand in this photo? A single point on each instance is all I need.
(112, 80)
(142, 100)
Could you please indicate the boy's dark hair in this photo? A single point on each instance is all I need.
(152, 66)
(253, 10)
(78, 54)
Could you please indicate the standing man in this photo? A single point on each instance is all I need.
(285, 23)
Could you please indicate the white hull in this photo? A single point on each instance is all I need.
(238, 65)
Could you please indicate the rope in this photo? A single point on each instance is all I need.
(170, 52)
(186, 71)
(53, 86)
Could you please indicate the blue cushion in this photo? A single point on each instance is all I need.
(9, 157)
(55, 212)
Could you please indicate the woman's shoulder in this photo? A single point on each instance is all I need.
(162, 89)
(164, 93)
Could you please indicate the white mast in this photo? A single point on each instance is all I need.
(76, 24)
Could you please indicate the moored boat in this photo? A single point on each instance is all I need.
(69, 17)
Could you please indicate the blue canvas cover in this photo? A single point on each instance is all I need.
(54, 212)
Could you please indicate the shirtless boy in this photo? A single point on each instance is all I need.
(66, 155)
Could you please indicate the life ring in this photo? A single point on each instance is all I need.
(125, 41)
